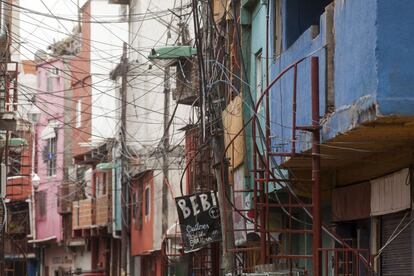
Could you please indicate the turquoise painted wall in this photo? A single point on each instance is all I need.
(253, 19)
(116, 195)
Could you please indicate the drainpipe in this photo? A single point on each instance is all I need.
(114, 179)
(32, 200)
(264, 256)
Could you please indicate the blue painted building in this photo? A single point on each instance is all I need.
(366, 94)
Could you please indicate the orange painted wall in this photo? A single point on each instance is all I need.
(142, 239)
(81, 84)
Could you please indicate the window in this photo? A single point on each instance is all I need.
(51, 156)
(49, 83)
(41, 203)
(79, 113)
(147, 201)
(55, 71)
(300, 15)
(137, 207)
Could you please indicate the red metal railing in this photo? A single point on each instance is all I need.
(263, 158)
(345, 262)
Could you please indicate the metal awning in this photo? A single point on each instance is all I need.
(49, 131)
(172, 52)
(20, 256)
(48, 239)
(17, 142)
(78, 242)
(104, 166)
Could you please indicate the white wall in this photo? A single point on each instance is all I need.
(82, 260)
(27, 86)
(15, 33)
(146, 93)
(106, 51)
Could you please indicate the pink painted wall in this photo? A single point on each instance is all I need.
(52, 107)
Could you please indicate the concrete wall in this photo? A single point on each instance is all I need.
(146, 91)
(145, 104)
(82, 260)
(371, 69)
(81, 86)
(27, 85)
(106, 42)
(56, 258)
(311, 41)
(395, 56)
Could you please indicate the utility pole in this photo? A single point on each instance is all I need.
(166, 148)
(218, 146)
(223, 187)
(124, 167)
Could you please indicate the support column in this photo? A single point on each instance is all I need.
(316, 224)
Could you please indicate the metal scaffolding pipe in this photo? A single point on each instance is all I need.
(316, 163)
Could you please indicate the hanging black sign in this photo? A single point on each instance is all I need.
(199, 218)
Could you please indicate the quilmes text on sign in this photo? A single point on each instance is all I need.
(199, 217)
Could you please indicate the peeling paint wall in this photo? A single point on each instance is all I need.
(312, 41)
(372, 74)
(395, 56)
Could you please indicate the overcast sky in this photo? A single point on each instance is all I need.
(38, 31)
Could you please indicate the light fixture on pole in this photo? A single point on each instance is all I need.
(35, 181)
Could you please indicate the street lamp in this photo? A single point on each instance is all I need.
(35, 181)
(34, 115)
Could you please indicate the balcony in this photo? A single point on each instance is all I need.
(103, 213)
(83, 214)
(365, 89)
(88, 213)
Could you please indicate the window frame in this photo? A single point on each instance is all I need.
(79, 113)
(52, 156)
(147, 202)
(49, 82)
